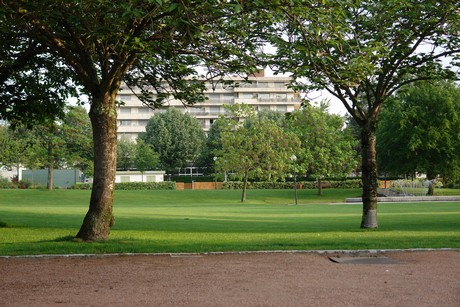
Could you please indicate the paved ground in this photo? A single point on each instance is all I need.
(265, 279)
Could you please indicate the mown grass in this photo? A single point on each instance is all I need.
(40, 222)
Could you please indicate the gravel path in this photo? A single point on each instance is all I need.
(252, 279)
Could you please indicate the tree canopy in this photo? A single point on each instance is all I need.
(362, 52)
(257, 148)
(152, 45)
(177, 137)
(419, 132)
(326, 149)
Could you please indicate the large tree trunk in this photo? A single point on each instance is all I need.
(369, 177)
(99, 219)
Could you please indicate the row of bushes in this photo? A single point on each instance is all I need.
(166, 185)
(6, 184)
(344, 184)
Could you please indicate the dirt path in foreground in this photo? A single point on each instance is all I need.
(271, 279)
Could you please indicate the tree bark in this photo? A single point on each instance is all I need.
(49, 182)
(320, 187)
(369, 177)
(99, 219)
(245, 186)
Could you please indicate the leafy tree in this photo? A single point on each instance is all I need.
(362, 52)
(419, 131)
(10, 145)
(177, 137)
(213, 143)
(145, 158)
(126, 150)
(259, 149)
(56, 144)
(149, 44)
(326, 149)
(77, 134)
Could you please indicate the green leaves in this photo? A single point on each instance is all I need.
(419, 131)
(177, 137)
(326, 149)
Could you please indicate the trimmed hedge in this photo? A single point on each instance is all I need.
(345, 184)
(166, 185)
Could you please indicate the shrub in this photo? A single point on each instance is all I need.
(81, 186)
(166, 185)
(6, 184)
(343, 184)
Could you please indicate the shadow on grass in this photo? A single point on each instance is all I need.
(5, 225)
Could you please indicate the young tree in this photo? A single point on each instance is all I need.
(419, 131)
(126, 150)
(362, 52)
(77, 132)
(177, 137)
(326, 149)
(145, 158)
(259, 149)
(150, 44)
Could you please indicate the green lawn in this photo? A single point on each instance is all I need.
(40, 222)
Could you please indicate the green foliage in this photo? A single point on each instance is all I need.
(257, 149)
(154, 46)
(77, 134)
(326, 149)
(82, 186)
(345, 184)
(145, 158)
(166, 185)
(418, 131)
(362, 52)
(126, 150)
(6, 184)
(177, 137)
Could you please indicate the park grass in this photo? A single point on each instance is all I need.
(42, 222)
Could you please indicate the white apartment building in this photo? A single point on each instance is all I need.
(263, 93)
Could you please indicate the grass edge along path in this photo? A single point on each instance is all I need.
(39, 222)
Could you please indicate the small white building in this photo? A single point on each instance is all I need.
(136, 176)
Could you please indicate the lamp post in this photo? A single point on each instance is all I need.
(294, 159)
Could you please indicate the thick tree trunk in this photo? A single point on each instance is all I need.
(99, 219)
(369, 178)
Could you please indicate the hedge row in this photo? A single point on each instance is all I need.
(346, 184)
(166, 185)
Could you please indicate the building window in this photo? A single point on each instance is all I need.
(247, 95)
(124, 97)
(144, 110)
(125, 123)
(214, 109)
(281, 108)
(125, 110)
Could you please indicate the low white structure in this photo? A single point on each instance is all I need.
(136, 176)
(9, 173)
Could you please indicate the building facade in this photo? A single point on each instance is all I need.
(263, 93)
